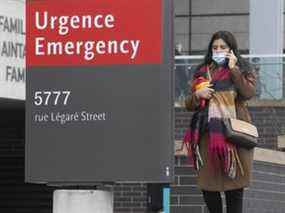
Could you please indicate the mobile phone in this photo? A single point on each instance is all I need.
(227, 60)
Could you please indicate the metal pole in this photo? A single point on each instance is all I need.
(166, 199)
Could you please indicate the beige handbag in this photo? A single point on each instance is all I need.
(241, 133)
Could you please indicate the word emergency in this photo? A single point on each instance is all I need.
(64, 25)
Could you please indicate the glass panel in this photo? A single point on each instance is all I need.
(270, 80)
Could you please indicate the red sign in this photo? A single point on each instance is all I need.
(93, 32)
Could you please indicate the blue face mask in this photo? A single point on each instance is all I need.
(219, 57)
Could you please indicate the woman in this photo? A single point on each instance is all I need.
(221, 166)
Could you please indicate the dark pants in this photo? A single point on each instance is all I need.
(233, 200)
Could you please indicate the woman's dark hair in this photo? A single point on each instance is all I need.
(230, 40)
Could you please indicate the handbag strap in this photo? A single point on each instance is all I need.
(209, 74)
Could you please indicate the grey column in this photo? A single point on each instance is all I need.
(266, 37)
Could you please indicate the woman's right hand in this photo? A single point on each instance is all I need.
(206, 92)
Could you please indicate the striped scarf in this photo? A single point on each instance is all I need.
(221, 153)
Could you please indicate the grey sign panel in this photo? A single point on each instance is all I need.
(114, 123)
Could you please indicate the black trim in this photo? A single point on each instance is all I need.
(7, 103)
(211, 15)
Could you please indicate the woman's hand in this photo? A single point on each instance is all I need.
(232, 59)
(205, 92)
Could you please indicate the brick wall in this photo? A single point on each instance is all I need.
(270, 122)
(130, 197)
(266, 195)
(267, 191)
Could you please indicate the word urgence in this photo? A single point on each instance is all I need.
(64, 23)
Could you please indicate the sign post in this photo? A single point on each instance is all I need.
(99, 105)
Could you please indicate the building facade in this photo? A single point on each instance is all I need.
(195, 21)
